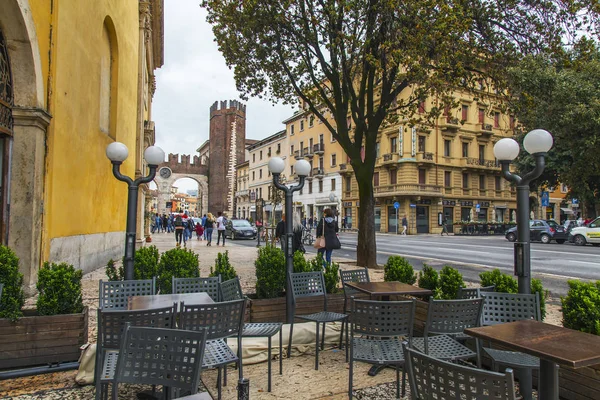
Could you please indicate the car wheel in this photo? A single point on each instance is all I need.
(579, 240)
(545, 238)
(560, 241)
(511, 237)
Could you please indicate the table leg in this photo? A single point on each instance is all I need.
(548, 389)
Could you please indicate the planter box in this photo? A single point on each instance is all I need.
(273, 310)
(38, 340)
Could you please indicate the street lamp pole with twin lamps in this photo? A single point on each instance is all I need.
(302, 167)
(537, 143)
(117, 153)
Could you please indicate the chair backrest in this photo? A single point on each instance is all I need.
(452, 316)
(111, 323)
(168, 357)
(308, 284)
(473, 293)
(221, 320)
(499, 308)
(115, 294)
(231, 290)
(198, 285)
(383, 318)
(431, 378)
(353, 275)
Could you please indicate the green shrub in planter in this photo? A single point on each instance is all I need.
(270, 272)
(112, 272)
(428, 278)
(581, 307)
(450, 281)
(300, 263)
(399, 269)
(12, 294)
(536, 287)
(223, 267)
(316, 264)
(59, 287)
(178, 263)
(145, 265)
(332, 277)
(504, 283)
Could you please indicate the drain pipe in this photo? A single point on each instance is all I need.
(19, 373)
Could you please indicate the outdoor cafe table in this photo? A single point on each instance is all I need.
(552, 344)
(166, 300)
(387, 289)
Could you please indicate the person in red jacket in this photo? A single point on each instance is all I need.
(199, 231)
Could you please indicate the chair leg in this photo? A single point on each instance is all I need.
(281, 352)
(317, 347)
(350, 380)
(341, 335)
(403, 380)
(218, 377)
(323, 337)
(478, 350)
(289, 351)
(347, 330)
(115, 390)
(525, 382)
(269, 366)
(225, 375)
(219, 389)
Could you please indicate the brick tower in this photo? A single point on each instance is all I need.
(227, 149)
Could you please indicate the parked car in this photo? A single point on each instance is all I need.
(239, 229)
(539, 230)
(560, 233)
(586, 234)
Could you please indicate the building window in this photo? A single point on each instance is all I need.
(321, 139)
(393, 145)
(260, 156)
(377, 149)
(447, 179)
(333, 184)
(481, 115)
(496, 120)
(291, 170)
(421, 144)
(376, 179)
(422, 107)
(260, 173)
(465, 149)
(481, 152)
(465, 112)
(393, 176)
(422, 176)
(253, 176)
(278, 148)
(301, 149)
(311, 121)
(498, 182)
(321, 163)
(465, 179)
(260, 192)
(563, 188)
(332, 139)
(348, 183)
(108, 80)
(447, 144)
(291, 150)
(482, 182)
(309, 187)
(333, 160)
(254, 157)
(291, 129)
(320, 185)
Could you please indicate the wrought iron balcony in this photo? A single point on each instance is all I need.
(470, 162)
(317, 172)
(307, 152)
(319, 148)
(408, 189)
(450, 124)
(297, 155)
(425, 158)
(487, 129)
(241, 193)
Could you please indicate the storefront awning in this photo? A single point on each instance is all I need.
(567, 211)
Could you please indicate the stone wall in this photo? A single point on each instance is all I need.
(88, 252)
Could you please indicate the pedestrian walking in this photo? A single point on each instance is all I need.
(221, 220)
(203, 222)
(328, 227)
(445, 227)
(280, 232)
(179, 228)
(199, 231)
(404, 225)
(209, 224)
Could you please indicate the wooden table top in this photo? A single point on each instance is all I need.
(549, 342)
(388, 288)
(166, 300)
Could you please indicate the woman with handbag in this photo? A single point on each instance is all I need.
(327, 229)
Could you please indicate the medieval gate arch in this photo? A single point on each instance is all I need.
(174, 169)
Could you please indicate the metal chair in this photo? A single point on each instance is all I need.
(221, 321)
(312, 284)
(198, 285)
(473, 293)
(382, 326)
(111, 325)
(232, 290)
(446, 321)
(354, 275)
(1, 287)
(115, 294)
(433, 379)
(168, 357)
(500, 308)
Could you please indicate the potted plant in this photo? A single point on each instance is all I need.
(55, 330)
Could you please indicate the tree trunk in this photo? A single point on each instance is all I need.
(366, 250)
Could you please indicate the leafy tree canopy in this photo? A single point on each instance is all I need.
(372, 59)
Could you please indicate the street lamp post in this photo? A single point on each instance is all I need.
(117, 153)
(537, 143)
(276, 166)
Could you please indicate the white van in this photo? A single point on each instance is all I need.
(586, 234)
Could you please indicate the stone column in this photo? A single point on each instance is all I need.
(27, 189)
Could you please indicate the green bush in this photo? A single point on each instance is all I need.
(112, 272)
(59, 287)
(428, 278)
(536, 287)
(145, 265)
(178, 263)
(504, 283)
(399, 269)
(316, 264)
(223, 267)
(12, 294)
(270, 272)
(300, 263)
(450, 281)
(581, 307)
(332, 277)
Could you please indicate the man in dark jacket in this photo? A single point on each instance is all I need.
(280, 232)
(328, 227)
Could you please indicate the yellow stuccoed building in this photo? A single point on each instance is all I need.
(75, 76)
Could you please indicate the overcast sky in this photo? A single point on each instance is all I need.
(192, 78)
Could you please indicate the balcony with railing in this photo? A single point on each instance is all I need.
(389, 159)
(345, 169)
(307, 152)
(471, 162)
(317, 172)
(297, 155)
(450, 125)
(408, 189)
(425, 158)
(242, 193)
(319, 148)
(486, 130)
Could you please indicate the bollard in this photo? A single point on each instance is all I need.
(244, 389)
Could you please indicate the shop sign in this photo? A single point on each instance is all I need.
(449, 202)
(466, 203)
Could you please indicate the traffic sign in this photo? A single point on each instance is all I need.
(477, 207)
(574, 201)
(413, 205)
(396, 205)
(545, 199)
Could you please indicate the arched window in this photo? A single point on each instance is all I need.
(108, 79)
(6, 133)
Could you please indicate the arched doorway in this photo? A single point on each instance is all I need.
(6, 133)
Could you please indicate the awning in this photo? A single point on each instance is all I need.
(566, 210)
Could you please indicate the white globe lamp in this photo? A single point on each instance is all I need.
(276, 165)
(506, 149)
(538, 141)
(117, 152)
(302, 168)
(154, 155)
